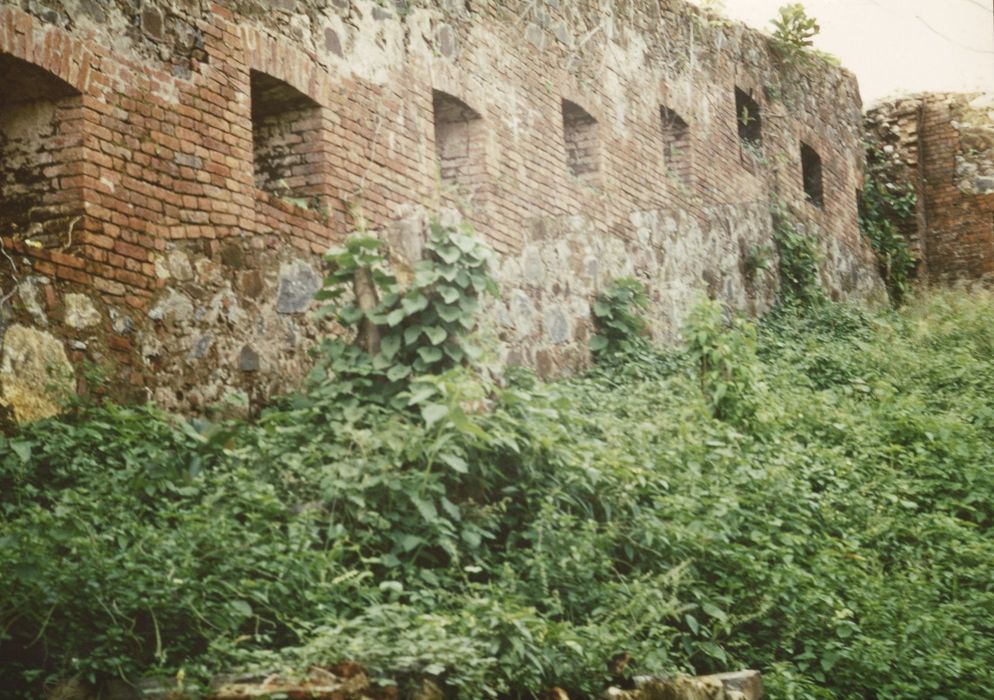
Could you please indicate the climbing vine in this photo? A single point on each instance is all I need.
(402, 329)
(798, 257)
(882, 204)
(617, 318)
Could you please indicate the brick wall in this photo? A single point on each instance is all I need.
(943, 146)
(203, 154)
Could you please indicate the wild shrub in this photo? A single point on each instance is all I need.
(503, 539)
(617, 317)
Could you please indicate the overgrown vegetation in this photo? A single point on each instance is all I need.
(617, 314)
(797, 252)
(813, 497)
(882, 203)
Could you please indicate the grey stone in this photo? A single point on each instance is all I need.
(189, 161)
(174, 307)
(534, 270)
(28, 292)
(152, 23)
(178, 264)
(122, 325)
(248, 359)
(298, 285)
(522, 312)
(331, 41)
(984, 185)
(535, 36)
(556, 325)
(445, 40)
(202, 345)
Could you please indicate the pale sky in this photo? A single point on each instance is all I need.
(898, 46)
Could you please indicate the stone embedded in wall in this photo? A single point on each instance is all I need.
(80, 312)
(248, 359)
(35, 375)
(175, 306)
(29, 291)
(298, 285)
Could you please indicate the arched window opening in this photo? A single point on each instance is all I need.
(580, 132)
(459, 141)
(676, 144)
(288, 157)
(41, 155)
(811, 174)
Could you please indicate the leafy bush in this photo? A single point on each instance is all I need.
(502, 539)
(617, 317)
(798, 256)
(404, 329)
(793, 30)
(726, 362)
(793, 34)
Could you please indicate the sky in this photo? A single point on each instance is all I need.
(898, 46)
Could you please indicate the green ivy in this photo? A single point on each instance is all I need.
(617, 313)
(883, 204)
(798, 258)
(421, 326)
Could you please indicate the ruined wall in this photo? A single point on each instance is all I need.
(943, 146)
(223, 146)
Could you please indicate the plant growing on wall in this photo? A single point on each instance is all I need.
(798, 258)
(402, 330)
(793, 34)
(618, 319)
(882, 204)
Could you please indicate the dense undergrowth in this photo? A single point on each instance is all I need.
(813, 497)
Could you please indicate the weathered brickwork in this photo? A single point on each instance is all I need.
(943, 146)
(181, 164)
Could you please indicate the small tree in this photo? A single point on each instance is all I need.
(793, 32)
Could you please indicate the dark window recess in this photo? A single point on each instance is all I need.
(748, 118)
(676, 144)
(811, 172)
(582, 140)
(459, 141)
(40, 131)
(286, 141)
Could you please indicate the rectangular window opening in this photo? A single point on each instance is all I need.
(459, 141)
(676, 144)
(580, 132)
(748, 118)
(812, 176)
(40, 130)
(287, 156)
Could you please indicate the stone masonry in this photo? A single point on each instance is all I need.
(943, 146)
(171, 171)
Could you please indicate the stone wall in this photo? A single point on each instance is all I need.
(943, 146)
(204, 154)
